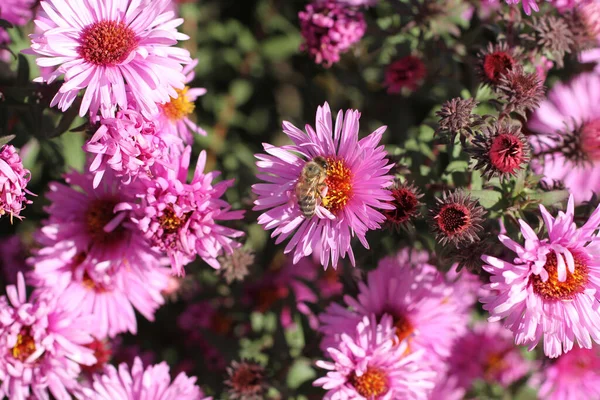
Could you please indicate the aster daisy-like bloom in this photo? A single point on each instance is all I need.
(128, 144)
(93, 259)
(553, 36)
(180, 218)
(41, 346)
(357, 185)
(370, 364)
(246, 381)
(550, 291)
(456, 218)
(17, 12)
(13, 183)
(574, 375)
(405, 74)
(109, 50)
(330, 29)
(424, 308)
(568, 145)
(487, 351)
(406, 204)
(150, 383)
(495, 61)
(174, 116)
(501, 150)
(528, 5)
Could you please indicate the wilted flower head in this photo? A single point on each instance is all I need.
(495, 61)
(152, 383)
(246, 381)
(456, 118)
(13, 183)
(405, 74)
(356, 180)
(520, 91)
(553, 37)
(41, 346)
(568, 130)
(406, 204)
(235, 266)
(500, 150)
(584, 23)
(330, 29)
(369, 363)
(575, 375)
(555, 276)
(180, 218)
(108, 51)
(457, 218)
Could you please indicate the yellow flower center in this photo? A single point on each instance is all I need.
(372, 383)
(553, 289)
(179, 108)
(495, 363)
(339, 185)
(169, 221)
(25, 345)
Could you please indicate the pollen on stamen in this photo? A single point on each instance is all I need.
(107, 43)
(25, 345)
(339, 185)
(180, 107)
(552, 288)
(370, 384)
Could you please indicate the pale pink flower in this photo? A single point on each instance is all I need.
(107, 49)
(41, 346)
(152, 383)
(369, 364)
(357, 187)
(551, 289)
(180, 218)
(94, 259)
(13, 183)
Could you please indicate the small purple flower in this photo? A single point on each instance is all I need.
(13, 183)
(41, 346)
(329, 29)
(551, 289)
(152, 383)
(180, 218)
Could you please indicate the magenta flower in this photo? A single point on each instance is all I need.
(330, 29)
(94, 259)
(17, 12)
(369, 364)
(405, 74)
(528, 5)
(426, 311)
(129, 144)
(568, 144)
(107, 51)
(13, 183)
(487, 352)
(41, 345)
(356, 181)
(152, 383)
(180, 218)
(174, 116)
(575, 375)
(550, 291)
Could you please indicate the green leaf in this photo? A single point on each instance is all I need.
(487, 198)
(74, 156)
(550, 198)
(301, 371)
(281, 47)
(457, 166)
(241, 90)
(6, 139)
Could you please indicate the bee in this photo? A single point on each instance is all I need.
(311, 185)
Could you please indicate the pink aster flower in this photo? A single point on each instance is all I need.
(356, 179)
(487, 352)
(127, 143)
(13, 182)
(550, 291)
(42, 347)
(369, 364)
(174, 116)
(330, 29)
(94, 259)
(17, 12)
(109, 50)
(528, 5)
(180, 218)
(425, 309)
(575, 375)
(151, 383)
(568, 128)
